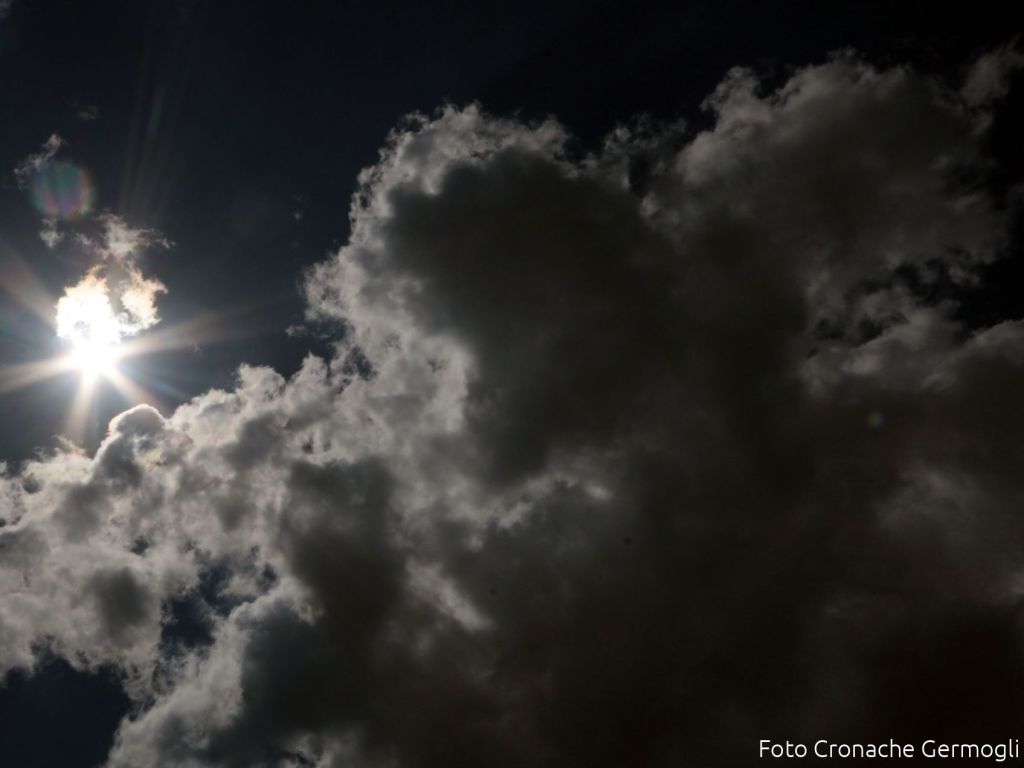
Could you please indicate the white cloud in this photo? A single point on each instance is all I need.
(34, 163)
(50, 233)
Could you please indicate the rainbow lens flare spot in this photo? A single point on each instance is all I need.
(63, 191)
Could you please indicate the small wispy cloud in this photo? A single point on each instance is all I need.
(50, 234)
(120, 242)
(988, 79)
(35, 162)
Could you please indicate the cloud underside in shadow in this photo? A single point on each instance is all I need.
(631, 458)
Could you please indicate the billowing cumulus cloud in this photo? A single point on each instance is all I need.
(625, 459)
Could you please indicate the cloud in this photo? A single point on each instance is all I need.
(119, 242)
(5, 8)
(114, 299)
(50, 233)
(607, 467)
(59, 190)
(34, 163)
(989, 77)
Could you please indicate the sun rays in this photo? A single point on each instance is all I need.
(88, 323)
(91, 341)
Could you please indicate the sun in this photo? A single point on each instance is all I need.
(93, 359)
(91, 328)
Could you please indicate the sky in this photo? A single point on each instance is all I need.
(582, 384)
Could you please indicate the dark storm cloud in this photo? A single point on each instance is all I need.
(639, 467)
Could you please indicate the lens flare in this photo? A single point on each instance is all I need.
(62, 190)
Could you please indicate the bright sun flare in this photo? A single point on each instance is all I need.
(86, 320)
(92, 359)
